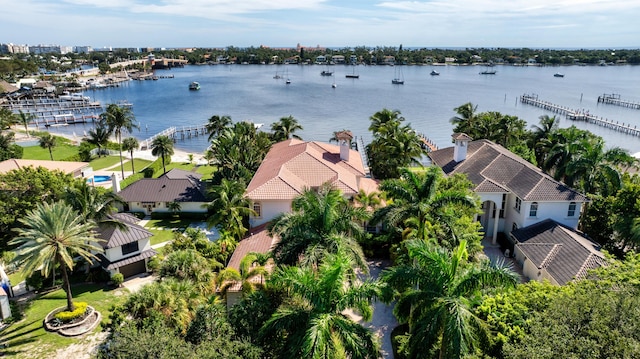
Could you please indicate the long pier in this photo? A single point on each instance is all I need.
(614, 99)
(577, 115)
(427, 144)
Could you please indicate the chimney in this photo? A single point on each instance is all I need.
(115, 183)
(461, 142)
(344, 138)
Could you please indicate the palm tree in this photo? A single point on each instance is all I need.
(247, 275)
(418, 201)
(162, 146)
(131, 144)
(24, 119)
(541, 138)
(566, 144)
(99, 136)
(117, 118)
(174, 207)
(49, 142)
(229, 208)
(53, 234)
(188, 264)
(311, 323)
(7, 118)
(466, 119)
(285, 128)
(320, 222)
(436, 291)
(94, 204)
(216, 125)
(383, 117)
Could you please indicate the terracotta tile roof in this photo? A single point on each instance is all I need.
(64, 166)
(293, 165)
(493, 168)
(258, 241)
(106, 264)
(563, 252)
(163, 189)
(115, 237)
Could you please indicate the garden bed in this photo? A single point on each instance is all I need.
(76, 327)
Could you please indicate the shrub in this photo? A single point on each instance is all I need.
(154, 264)
(117, 279)
(129, 180)
(66, 316)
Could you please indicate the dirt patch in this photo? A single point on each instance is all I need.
(83, 349)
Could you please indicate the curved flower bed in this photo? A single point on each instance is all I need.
(77, 327)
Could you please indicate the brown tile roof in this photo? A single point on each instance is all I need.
(565, 253)
(163, 189)
(115, 237)
(493, 168)
(106, 264)
(64, 166)
(258, 241)
(293, 165)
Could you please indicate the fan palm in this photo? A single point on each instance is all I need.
(229, 208)
(216, 125)
(49, 142)
(312, 323)
(117, 118)
(436, 292)
(162, 146)
(285, 128)
(53, 234)
(320, 221)
(131, 144)
(99, 136)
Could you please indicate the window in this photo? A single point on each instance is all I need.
(129, 248)
(514, 227)
(572, 210)
(257, 207)
(533, 211)
(518, 204)
(503, 205)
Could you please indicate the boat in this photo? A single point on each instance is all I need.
(194, 86)
(399, 77)
(288, 82)
(557, 74)
(353, 74)
(488, 72)
(434, 73)
(66, 96)
(326, 73)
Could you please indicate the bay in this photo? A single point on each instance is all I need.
(249, 92)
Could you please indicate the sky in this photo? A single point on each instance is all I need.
(327, 23)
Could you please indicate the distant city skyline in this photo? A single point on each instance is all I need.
(327, 23)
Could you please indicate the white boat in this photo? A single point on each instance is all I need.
(66, 96)
(194, 86)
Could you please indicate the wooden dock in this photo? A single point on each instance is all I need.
(614, 99)
(581, 115)
(427, 144)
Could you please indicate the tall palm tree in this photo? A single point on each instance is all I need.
(320, 222)
(229, 208)
(436, 291)
(312, 323)
(383, 117)
(466, 119)
(285, 128)
(131, 144)
(94, 204)
(419, 201)
(216, 125)
(162, 146)
(49, 142)
(117, 118)
(52, 235)
(24, 119)
(566, 143)
(541, 136)
(99, 136)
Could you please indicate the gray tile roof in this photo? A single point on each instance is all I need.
(115, 237)
(163, 189)
(106, 264)
(563, 252)
(493, 168)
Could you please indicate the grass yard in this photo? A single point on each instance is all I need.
(165, 234)
(206, 171)
(104, 162)
(60, 152)
(28, 339)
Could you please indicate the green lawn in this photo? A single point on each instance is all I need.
(206, 171)
(165, 234)
(110, 161)
(17, 277)
(28, 339)
(182, 166)
(104, 162)
(60, 152)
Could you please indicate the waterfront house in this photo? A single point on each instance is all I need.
(514, 193)
(154, 195)
(126, 251)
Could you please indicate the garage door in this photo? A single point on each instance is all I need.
(133, 269)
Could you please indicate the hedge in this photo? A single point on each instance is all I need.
(66, 316)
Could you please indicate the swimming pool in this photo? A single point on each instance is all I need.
(99, 179)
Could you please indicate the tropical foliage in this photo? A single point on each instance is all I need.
(162, 146)
(118, 118)
(216, 125)
(285, 128)
(229, 208)
(48, 142)
(131, 144)
(99, 136)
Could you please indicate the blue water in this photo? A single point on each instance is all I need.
(249, 92)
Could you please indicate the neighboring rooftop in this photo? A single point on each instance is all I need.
(293, 165)
(174, 186)
(64, 166)
(563, 252)
(493, 168)
(258, 241)
(116, 237)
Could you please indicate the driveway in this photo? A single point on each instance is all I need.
(383, 321)
(133, 284)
